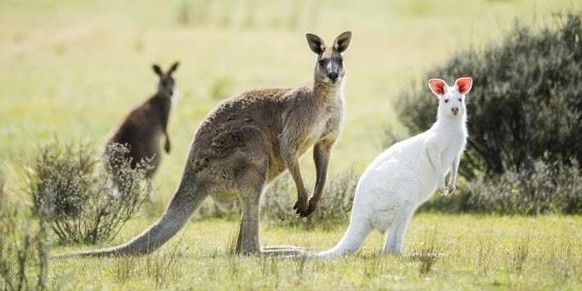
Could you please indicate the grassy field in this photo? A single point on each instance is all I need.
(474, 252)
(72, 69)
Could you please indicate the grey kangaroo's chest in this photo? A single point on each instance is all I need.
(327, 126)
(332, 122)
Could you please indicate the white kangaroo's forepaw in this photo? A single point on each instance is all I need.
(443, 190)
(448, 190)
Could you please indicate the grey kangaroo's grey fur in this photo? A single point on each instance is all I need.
(249, 140)
(143, 127)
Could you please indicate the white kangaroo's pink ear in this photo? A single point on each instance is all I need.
(437, 86)
(464, 84)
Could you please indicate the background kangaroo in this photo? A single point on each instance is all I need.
(404, 176)
(143, 127)
(249, 140)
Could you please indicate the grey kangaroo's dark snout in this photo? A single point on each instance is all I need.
(332, 76)
(333, 71)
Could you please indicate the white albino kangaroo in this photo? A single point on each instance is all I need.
(404, 176)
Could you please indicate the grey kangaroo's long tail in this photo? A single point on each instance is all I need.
(187, 199)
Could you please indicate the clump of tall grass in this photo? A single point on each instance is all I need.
(23, 249)
(75, 195)
(521, 253)
(428, 253)
(161, 267)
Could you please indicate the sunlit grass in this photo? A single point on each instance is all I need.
(441, 252)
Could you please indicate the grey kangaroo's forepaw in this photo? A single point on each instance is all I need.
(305, 209)
(311, 208)
(301, 207)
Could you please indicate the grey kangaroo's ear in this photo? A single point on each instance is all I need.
(341, 43)
(174, 67)
(157, 70)
(315, 42)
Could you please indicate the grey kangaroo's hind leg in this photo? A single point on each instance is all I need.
(250, 187)
(248, 235)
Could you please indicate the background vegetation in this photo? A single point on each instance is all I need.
(523, 154)
(76, 196)
(73, 69)
(23, 246)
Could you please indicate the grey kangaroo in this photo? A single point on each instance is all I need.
(249, 140)
(142, 129)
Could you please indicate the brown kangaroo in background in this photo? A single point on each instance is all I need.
(142, 129)
(249, 140)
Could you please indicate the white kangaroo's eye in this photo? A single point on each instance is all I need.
(446, 100)
(459, 99)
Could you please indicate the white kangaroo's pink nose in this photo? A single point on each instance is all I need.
(455, 110)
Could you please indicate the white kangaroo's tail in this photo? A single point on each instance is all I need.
(185, 202)
(353, 238)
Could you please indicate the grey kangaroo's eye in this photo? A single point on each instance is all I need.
(321, 62)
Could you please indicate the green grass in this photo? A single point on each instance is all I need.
(72, 69)
(472, 252)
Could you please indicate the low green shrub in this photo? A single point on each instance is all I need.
(334, 207)
(76, 196)
(551, 187)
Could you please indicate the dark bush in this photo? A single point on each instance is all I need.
(525, 136)
(334, 207)
(77, 198)
(526, 102)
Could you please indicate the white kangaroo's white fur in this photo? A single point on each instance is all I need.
(407, 174)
